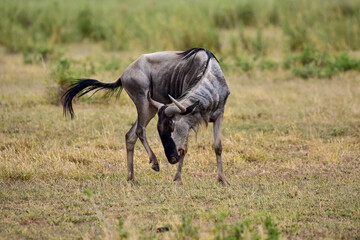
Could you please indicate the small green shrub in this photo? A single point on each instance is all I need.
(344, 62)
(186, 230)
(88, 192)
(62, 75)
(309, 55)
(244, 229)
(122, 233)
(266, 64)
(259, 45)
(244, 63)
(42, 53)
(307, 71)
(311, 71)
(220, 229)
(313, 63)
(273, 232)
(336, 132)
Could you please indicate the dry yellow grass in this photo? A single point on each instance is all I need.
(291, 151)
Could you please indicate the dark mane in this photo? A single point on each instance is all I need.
(193, 51)
(186, 55)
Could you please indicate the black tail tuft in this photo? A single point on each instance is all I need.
(84, 86)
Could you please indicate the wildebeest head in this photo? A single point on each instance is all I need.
(173, 128)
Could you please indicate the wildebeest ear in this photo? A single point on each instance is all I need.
(190, 108)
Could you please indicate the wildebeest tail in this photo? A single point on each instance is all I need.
(84, 86)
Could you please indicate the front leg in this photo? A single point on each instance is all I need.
(145, 114)
(141, 133)
(177, 178)
(218, 150)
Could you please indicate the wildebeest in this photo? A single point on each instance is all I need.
(185, 88)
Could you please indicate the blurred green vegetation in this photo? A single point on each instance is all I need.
(313, 63)
(63, 73)
(38, 26)
(312, 38)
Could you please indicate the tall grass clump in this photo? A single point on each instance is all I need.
(63, 73)
(238, 13)
(330, 24)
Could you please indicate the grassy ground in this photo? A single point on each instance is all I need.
(291, 154)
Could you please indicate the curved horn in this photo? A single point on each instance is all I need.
(172, 110)
(153, 102)
(179, 105)
(179, 108)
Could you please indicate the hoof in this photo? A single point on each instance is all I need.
(223, 181)
(156, 168)
(133, 180)
(178, 180)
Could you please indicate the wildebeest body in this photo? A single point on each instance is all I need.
(192, 77)
(168, 73)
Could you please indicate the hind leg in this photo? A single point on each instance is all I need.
(137, 85)
(130, 139)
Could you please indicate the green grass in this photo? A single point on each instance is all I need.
(39, 27)
(290, 147)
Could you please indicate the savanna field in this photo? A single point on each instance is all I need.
(291, 129)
